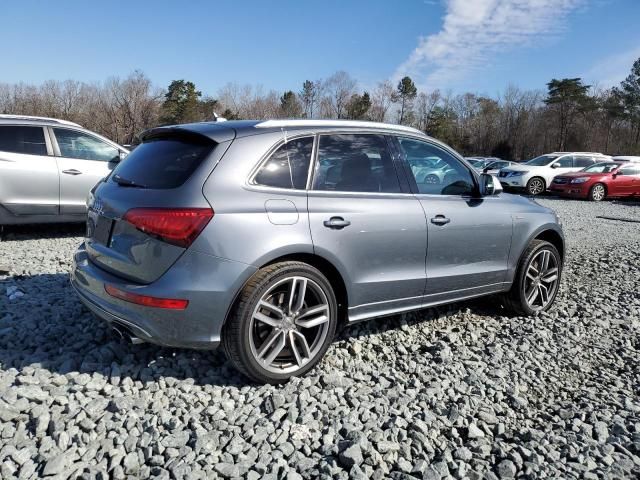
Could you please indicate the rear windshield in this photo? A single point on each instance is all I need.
(162, 162)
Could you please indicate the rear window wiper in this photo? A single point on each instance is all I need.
(125, 182)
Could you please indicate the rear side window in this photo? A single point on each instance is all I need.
(164, 162)
(288, 166)
(22, 139)
(355, 163)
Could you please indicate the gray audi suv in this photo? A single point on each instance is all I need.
(263, 237)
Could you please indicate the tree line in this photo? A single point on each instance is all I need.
(516, 124)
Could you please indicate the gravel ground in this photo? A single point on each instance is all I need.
(461, 391)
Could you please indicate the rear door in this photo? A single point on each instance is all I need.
(469, 237)
(370, 227)
(28, 172)
(83, 160)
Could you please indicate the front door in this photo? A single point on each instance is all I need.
(83, 160)
(626, 181)
(369, 227)
(469, 237)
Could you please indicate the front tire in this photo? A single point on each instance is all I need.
(536, 186)
(282, 323)
(597, 193)
(537, 279)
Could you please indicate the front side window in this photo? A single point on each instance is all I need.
(22, 139)
(74, 144)
(629, 170)
(288, 166)
(355, 163)
(604, 167)
(436, 171)
(565, 162)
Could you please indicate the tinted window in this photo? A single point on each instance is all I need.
(164, 162)
(565, 162)
(80, 145)
(19, 139)
(355, 163)
(288, 166)
(582, 161)
(436, 171)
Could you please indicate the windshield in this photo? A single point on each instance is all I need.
(605, 167)
(542, 160)
(494, 165)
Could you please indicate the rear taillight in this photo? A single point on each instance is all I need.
(178, 226)
(145, 300)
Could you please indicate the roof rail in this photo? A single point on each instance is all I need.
(334, 123)
(42, 119)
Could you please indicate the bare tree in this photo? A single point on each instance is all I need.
(338, 89)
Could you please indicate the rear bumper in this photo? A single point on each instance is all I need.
(209, 283)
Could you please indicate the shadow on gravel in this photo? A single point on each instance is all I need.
(35, 232)
(49, 328)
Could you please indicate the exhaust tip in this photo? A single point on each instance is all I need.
(125, 334)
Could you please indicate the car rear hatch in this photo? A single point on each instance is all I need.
(144, 216)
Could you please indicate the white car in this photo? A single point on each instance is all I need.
(48, 167)
(626, 158)
(535, 176)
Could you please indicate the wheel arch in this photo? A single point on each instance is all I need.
(554, 238)
(328, 270)
(324, 266)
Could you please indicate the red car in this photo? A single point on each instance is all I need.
(599, 181)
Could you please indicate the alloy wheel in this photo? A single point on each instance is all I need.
(535, 186)
(289, 325)
(431, 179)
(541, 280)
(597, 192)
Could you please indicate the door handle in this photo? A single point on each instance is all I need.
(440, 220)
(336, 223)
(73, 171)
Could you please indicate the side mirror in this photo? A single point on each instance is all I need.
(489, 185)
(555, 165)
(122, 155)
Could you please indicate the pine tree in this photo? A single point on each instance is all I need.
(406, 92)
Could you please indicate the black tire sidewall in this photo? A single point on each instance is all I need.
(243, 316)
(528, 187)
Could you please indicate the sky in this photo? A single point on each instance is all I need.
(479, 46)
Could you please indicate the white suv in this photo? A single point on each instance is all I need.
(536, 175)
(48, 167)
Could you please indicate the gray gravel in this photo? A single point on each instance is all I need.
(461, 391)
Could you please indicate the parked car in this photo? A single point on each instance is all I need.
(478, 162)
(495, 166)
(535, 176)
(47, 168)
(226, 234)
(626, 158)
(599, 181)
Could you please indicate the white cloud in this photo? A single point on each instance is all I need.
(611, 70)
(474, 31)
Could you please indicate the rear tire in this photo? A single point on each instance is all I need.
(597, 192)
(282, 323)
(537, 279)
(536, 186)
